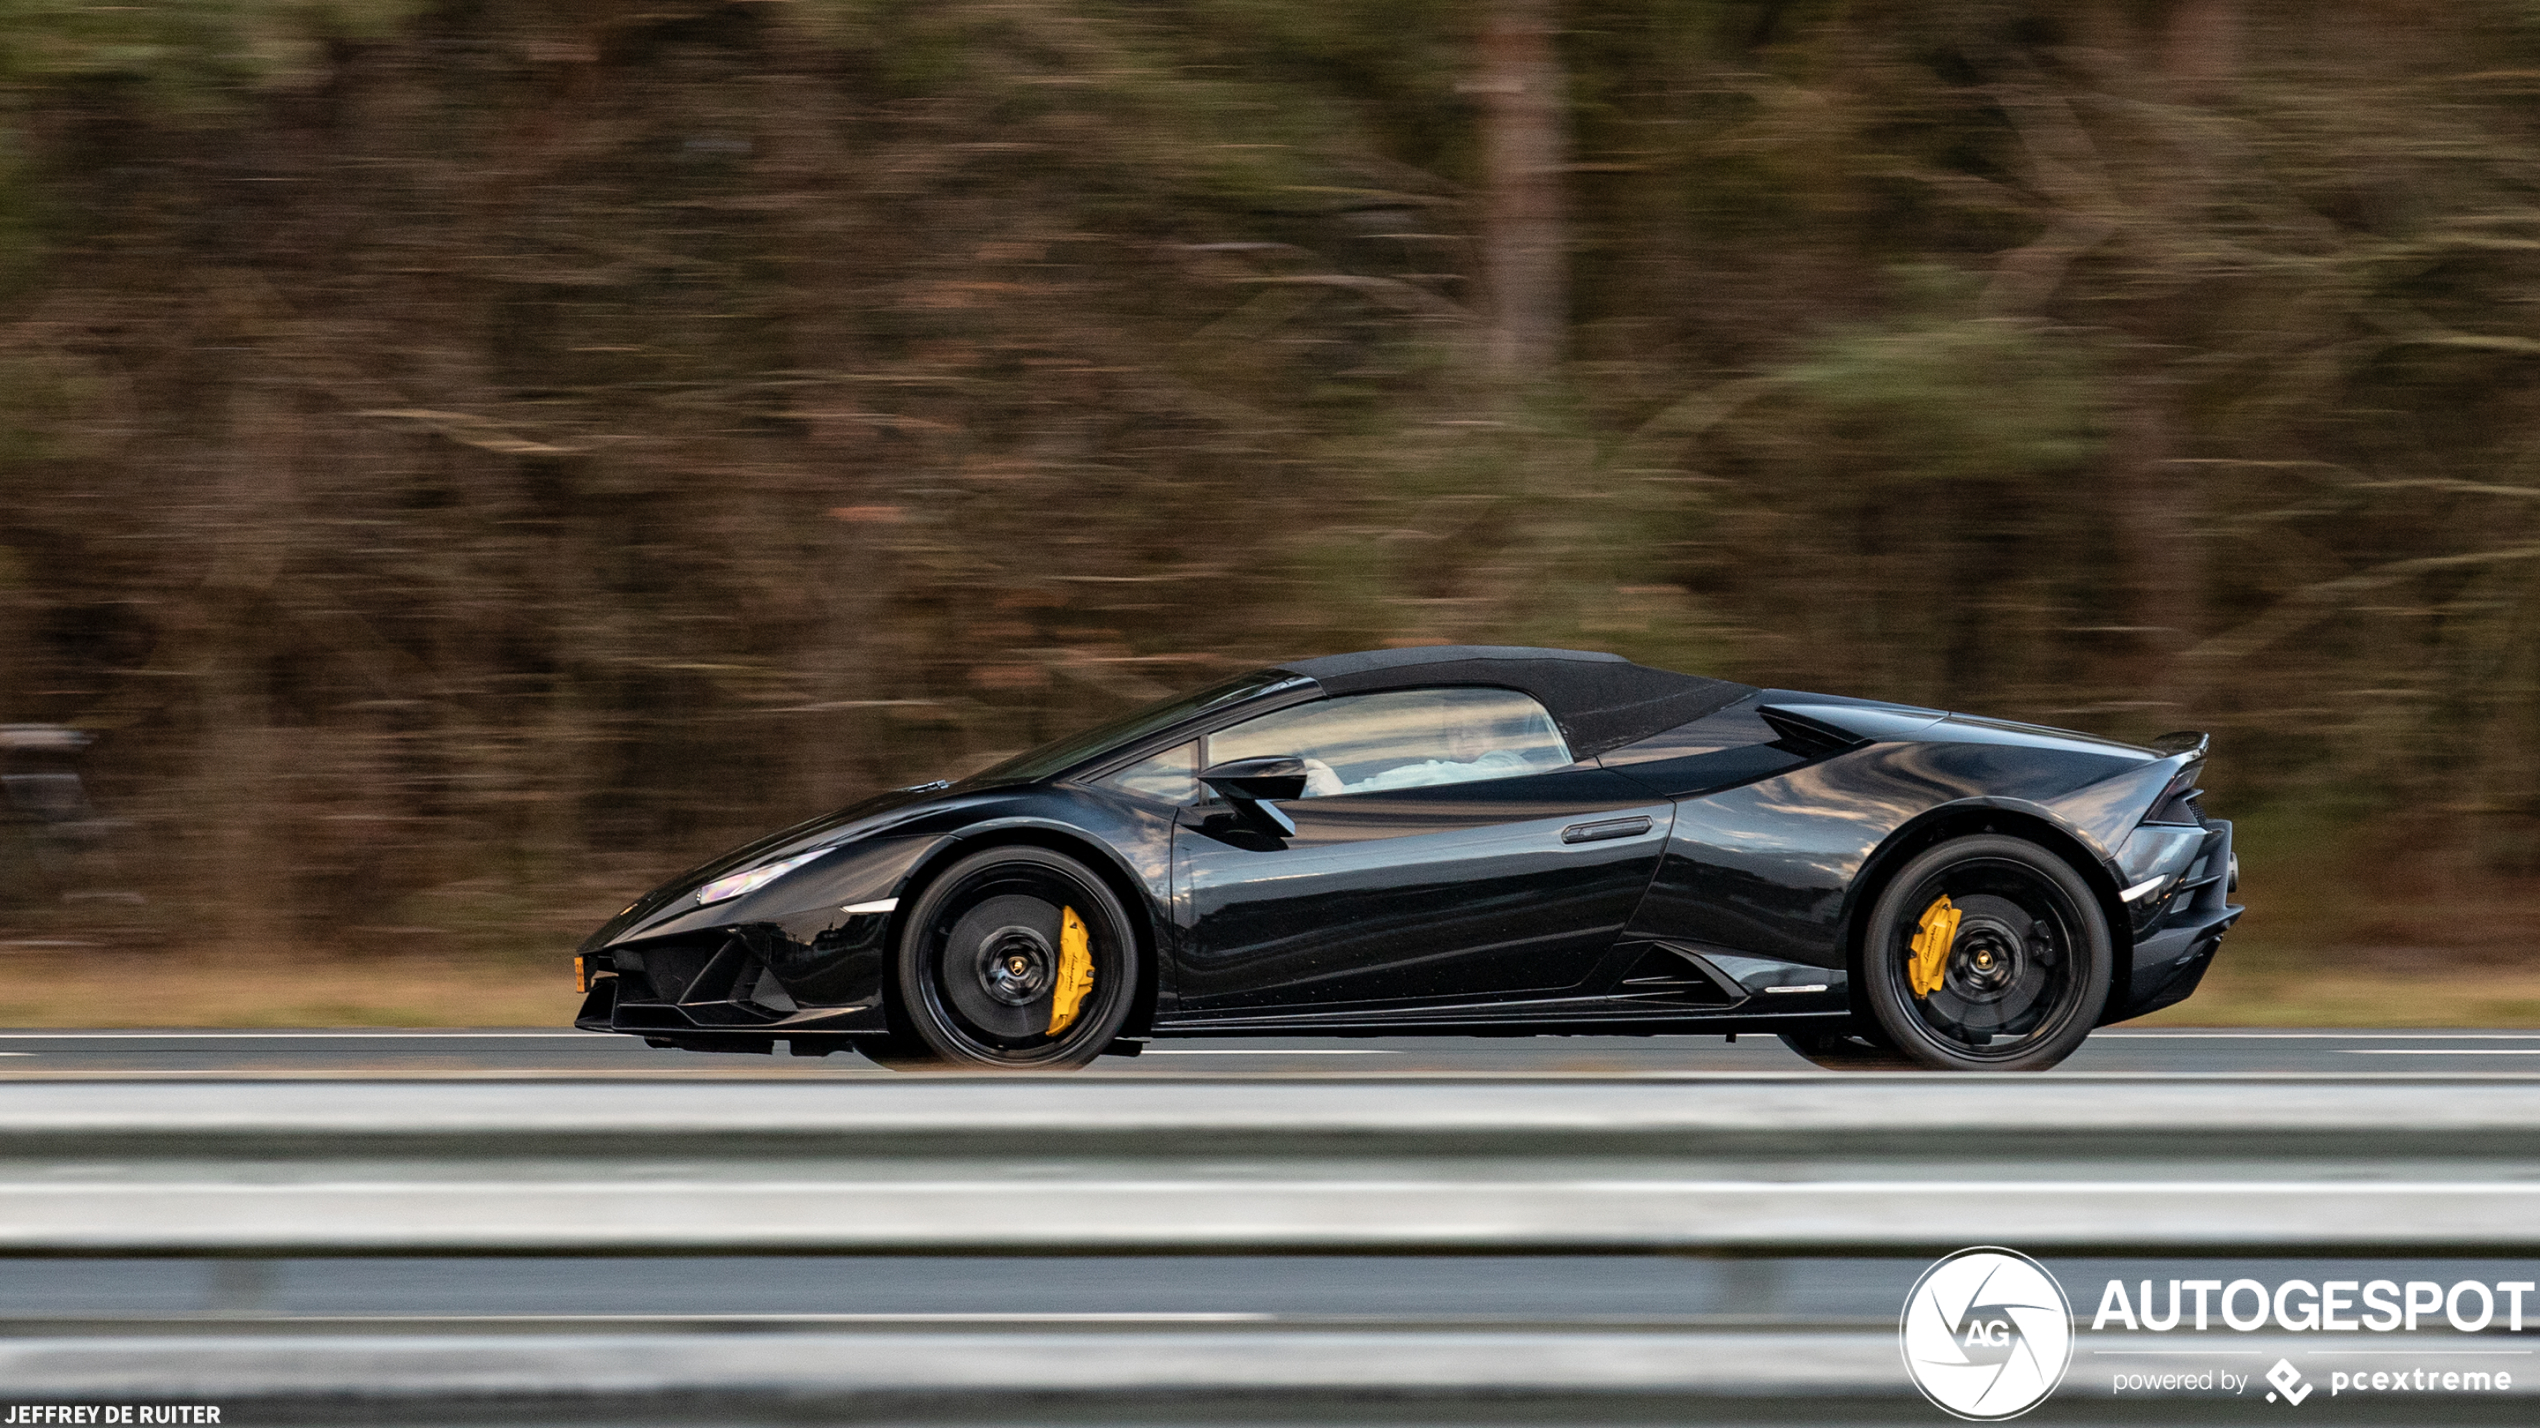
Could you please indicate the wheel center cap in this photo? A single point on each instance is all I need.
(1985, 961)
(1016, 965)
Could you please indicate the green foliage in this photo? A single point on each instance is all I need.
(186, 52)
(1926, 398)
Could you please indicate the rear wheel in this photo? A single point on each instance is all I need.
(1016, 958)
(1987, 954)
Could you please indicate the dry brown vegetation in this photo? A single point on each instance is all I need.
(463, 461)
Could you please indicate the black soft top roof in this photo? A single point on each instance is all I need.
(1601, 701)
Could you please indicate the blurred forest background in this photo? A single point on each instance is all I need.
(464, 461)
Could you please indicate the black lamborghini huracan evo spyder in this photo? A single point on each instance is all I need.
(1460, 840)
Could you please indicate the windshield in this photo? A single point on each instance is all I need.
(1064, 754)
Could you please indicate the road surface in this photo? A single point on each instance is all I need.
(343, 1053)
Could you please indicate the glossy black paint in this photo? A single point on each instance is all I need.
(1463, 893)
(2172, 952)
(1706, 876)
(1766, 867)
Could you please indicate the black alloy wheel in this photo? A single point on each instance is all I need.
(994, 953)
(1987, 953)
(1851, 1048)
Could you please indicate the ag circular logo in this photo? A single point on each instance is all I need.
(1987, 1334)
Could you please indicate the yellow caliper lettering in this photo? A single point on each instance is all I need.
(1931, 947)
(1075, 973)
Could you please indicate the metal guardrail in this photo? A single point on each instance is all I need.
(1010, 1376)
(1015, 1362)
(1778, 1377)
(1903, 1165)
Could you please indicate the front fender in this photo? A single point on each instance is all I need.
(1130, 846)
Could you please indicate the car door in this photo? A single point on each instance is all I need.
(1447, 850)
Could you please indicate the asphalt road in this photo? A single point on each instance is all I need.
(2123, 1051)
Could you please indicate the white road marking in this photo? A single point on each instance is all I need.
(2161, 1035)
(1269, 1051)
(2441, 1051)
(1126, 1316)
(244, 1035)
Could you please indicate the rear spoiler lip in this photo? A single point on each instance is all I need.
(2193, 743)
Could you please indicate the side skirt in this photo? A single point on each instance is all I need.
(1612, 1021)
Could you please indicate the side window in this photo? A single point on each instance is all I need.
(1412, 738)
(1719, 750)
(1736, 727)
(1172, 776)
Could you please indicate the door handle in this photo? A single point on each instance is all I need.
(1609, 828)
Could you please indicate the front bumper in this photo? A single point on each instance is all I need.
(804, 958)
(748, 985)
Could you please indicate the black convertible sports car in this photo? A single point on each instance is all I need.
(1461, 840)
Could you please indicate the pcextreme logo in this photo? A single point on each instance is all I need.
(1987, 1334)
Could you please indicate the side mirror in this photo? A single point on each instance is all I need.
(1256, 780)
(1251, 784)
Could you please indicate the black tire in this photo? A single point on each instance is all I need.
(979, 961)
(2022, 980)
(1849, 1049)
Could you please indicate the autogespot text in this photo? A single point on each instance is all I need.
(2378, 1306)
(2323, 1306)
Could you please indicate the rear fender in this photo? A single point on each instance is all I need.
(2038, 823)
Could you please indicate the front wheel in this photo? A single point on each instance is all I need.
(1987, 953)
(1016, 958)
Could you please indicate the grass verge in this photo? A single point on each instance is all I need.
(141, 990)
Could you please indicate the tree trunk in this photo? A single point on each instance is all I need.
(2195, 54)
(1526, 151)
(2200, 49)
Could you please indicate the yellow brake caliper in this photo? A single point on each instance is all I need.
(1931, 947)
(1075, 973)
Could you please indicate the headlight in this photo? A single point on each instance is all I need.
(722, 889)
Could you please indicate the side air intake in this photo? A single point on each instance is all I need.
(1670, 976)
